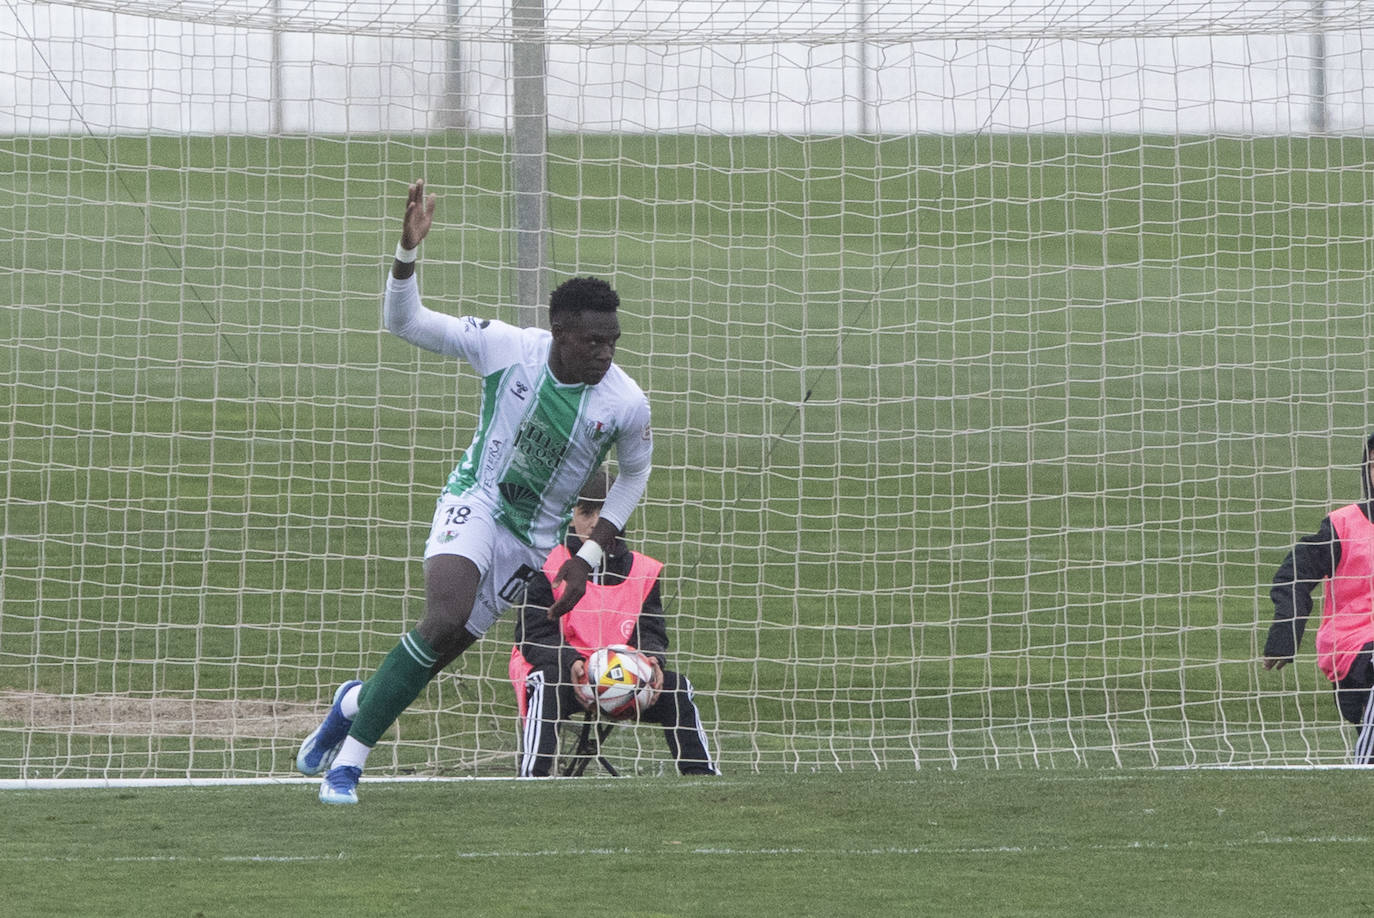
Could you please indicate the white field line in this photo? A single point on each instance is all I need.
(1167, 773)
(11, 784)
(685, 851)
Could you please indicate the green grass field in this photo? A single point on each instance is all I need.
(1065, 843)
(971, 451)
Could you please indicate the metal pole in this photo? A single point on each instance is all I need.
(277, 118)
(1318, 115)
(865, 70)
(530, 138)
(454, 114)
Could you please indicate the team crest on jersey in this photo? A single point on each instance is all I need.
(595, 429)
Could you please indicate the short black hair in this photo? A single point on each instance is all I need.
(579, 294)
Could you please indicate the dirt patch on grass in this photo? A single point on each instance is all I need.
(122, 715)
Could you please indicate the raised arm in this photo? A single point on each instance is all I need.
(419, 217)
(403, 313)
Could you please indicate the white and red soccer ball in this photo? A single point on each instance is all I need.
(620, 679)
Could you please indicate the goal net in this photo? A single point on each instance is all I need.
(998, 354)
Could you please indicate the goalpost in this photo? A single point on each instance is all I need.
(997, 354)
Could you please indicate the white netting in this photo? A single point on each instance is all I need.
(998, 353)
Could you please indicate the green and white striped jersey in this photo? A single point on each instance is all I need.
(538, 441)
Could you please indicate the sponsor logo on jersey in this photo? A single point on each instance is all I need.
(521, 499)
(519, 390)
(538, 446)
(493, 456)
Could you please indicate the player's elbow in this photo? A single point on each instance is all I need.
(391, 320)
(393, 317)
(405, 328)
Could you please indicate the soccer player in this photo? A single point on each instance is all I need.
(554, 405)
(1339, 554)
(622, 605)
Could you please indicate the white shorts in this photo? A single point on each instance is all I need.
(468, 527)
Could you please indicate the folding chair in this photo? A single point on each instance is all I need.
(578, 753)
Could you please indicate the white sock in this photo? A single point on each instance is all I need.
(348, 704)
(352, 753)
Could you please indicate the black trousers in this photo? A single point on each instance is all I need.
(551, 702)
(1353, 693)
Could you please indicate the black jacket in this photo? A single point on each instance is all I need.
(1312, 561)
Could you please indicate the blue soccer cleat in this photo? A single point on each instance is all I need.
(318, 751)
(340, 785)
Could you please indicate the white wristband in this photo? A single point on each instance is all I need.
(406, 255)
(592, 553)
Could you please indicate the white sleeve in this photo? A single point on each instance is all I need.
(634, 455)
(408, 319)
(487, 344)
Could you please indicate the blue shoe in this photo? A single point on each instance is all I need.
(320, 747)
(340, 785)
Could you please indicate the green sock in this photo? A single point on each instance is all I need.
(400, 679)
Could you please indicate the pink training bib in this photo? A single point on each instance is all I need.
(1348, 600)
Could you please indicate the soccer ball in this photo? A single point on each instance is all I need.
(621, 680)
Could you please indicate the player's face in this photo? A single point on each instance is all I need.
(584, 520)
(583, 346)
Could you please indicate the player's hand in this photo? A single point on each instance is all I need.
(1276, 662)
(419, 216)
(655, 684)
(572, 577)
(581, 691)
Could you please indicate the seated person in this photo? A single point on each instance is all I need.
(621, 606)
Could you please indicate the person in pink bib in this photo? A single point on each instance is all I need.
(1340, 555)
(622, 605)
